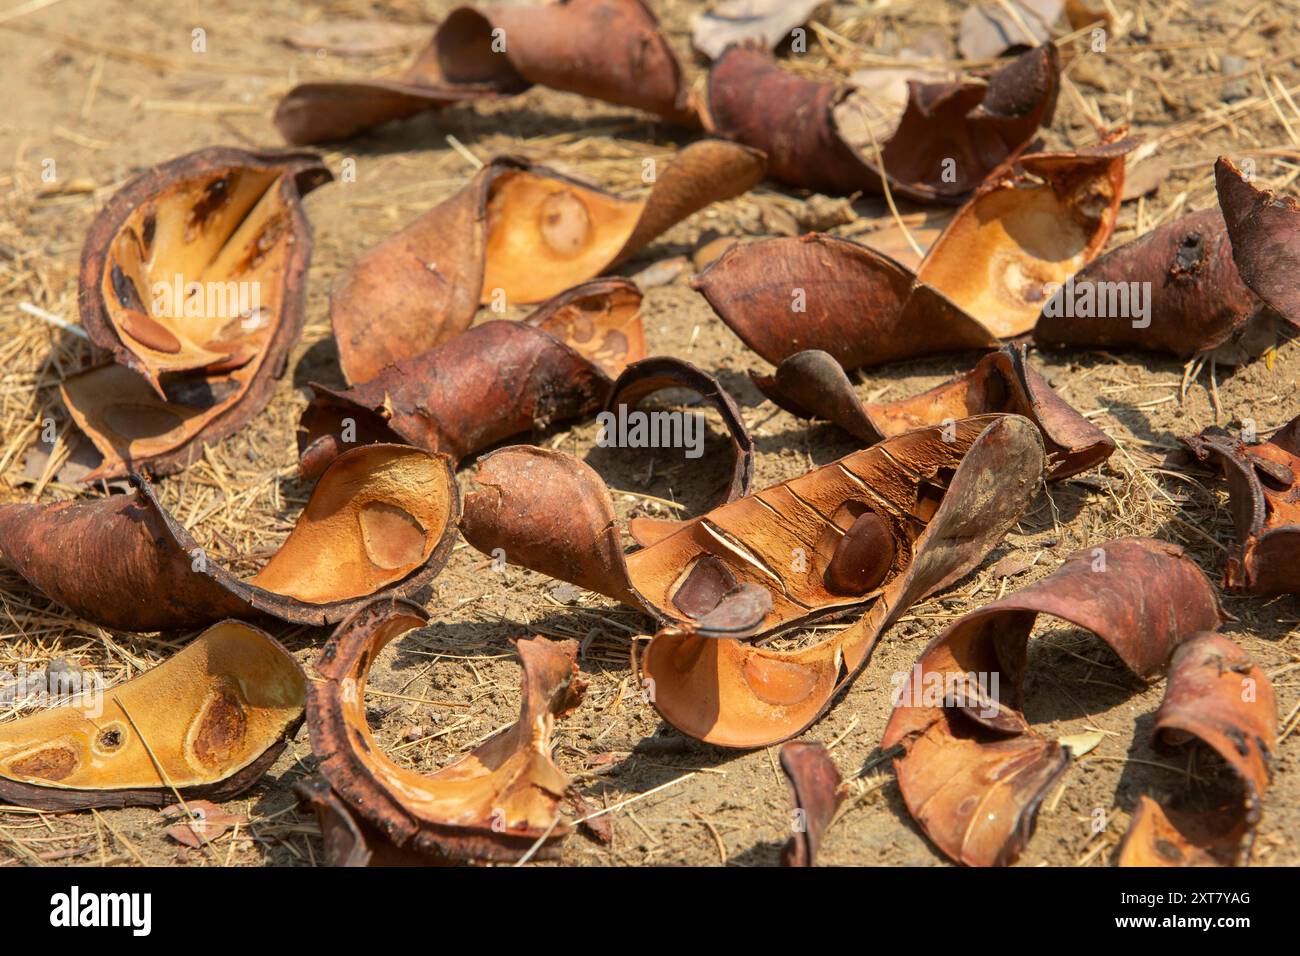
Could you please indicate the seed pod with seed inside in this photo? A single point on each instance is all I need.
(863, 556)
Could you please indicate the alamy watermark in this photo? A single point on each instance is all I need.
(181, 299)
(1084, 299)
(973, 691)
(626, 428)
(55, 685)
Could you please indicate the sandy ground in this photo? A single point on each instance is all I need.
(107, 88)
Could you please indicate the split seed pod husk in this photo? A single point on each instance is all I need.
(983, 279)
(552, 513)
(493, 381)
(1265, 506)
(1265, 233)
(610, 50)
(382, 518)
(818, 791)
(1221, 280)
(883, 526)
(517, 232)
(824, 136)
(206, 723)
(955, 506)
(347, 839)
(1218, 698)
(188, 370)
(496, 802)
(973, 772)
(813, 385)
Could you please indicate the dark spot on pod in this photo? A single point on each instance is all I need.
(198, 392)
(704, 587)
(146, 236)
(128, 296)
(215, 196)
(110, 740)
(1190, 253)
(222, 726)
(52, 763)
(863, 556)
(1169, 851)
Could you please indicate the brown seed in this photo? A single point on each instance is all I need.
(863, 557)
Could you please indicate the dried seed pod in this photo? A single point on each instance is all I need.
(552, 513)
(734, 693)
(1175, 289)
(983, 278)
(208, 722)
(818, 792)
(382, 518)
(645, 378)
(1262, 491)
(813, 385)
(493, 381)
(218, 242)
(1217, 697)
(759, 563)
(494, 803)
(349, 840)
(823, 136)
(1265, 234)
(973, 771)
(611, 50)
(205, 219)
(1027, 229)
(518, 233)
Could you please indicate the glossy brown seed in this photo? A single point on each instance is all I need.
(863, 557)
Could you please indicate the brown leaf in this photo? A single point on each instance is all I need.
(213, 717)
(813, 385)
(496, 802)
(1262, 485)
(518, 233)
(197, 361)
(382, 518)
(973, 772)
(820, 135)
(203, 823)
(1218, 698)
(611, 50)
(818, 792)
